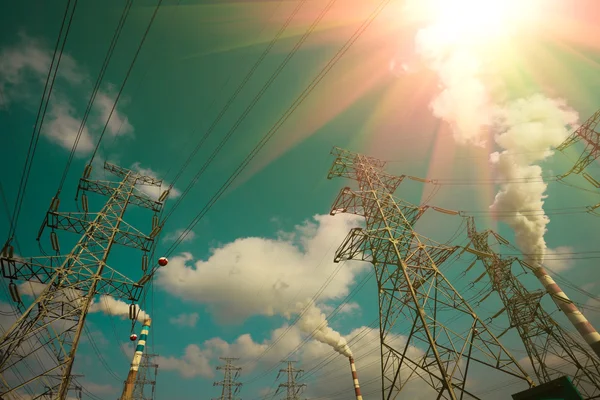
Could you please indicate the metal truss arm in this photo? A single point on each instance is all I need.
(125, 173)
(35, 269)
(80, 222)
(588, 134)
(107, 188)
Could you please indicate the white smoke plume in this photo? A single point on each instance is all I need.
(111, 306)
(105, 304)
(313, 322)
(527, 130)
(463, 101)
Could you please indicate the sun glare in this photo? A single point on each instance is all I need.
(474, 20)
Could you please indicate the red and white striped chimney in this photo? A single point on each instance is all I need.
(583, 326)
(355, 379)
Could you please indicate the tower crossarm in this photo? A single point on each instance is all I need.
(353, 165)
(133, 176)
(35, 269)
(79, 223)
(588, 134)
(78, 277)
(107, 188)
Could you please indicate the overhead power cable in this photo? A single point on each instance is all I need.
(135, 57)
(99, 79)
(253, 103)
(234, 96)
(297, 102)
(41, 113)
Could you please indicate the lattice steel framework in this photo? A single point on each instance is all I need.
(230, 375)
(292, 387)
(146, 377)
(552, 351)
(591, 137)
(73, 387)
(56, 318)
(412, 289)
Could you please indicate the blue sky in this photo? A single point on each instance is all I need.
(238, 280)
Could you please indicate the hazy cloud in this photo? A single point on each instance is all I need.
(185, 319)
(173, 236)
(23, 71)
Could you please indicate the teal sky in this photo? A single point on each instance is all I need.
(232, 286)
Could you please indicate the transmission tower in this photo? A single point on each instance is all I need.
(73, 387)
(230, 375)
(56, 317)
(588, 134)
(553, 352)
(292, 387)
(413, 290)
(146, 377)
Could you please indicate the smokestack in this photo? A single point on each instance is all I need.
(355, 379)
(135, 364)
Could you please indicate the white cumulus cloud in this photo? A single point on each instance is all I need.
(271, 276)
(23, 70)
(184, 319)
(268, 276)
(173, 236)
(153, 191)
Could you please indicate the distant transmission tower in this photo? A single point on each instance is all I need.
(55, 319)
(146, 377)
(553, 352)
(412, 290)
(230, 375)
(73, 387)
(292, 387)
(588, 134)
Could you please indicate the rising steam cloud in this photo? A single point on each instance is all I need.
(111, 306)
(313, 322)
(526, 130)
(104, 304)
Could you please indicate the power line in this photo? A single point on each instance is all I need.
(231, 99)
(135, 57)
(265, 139)
(254, 101)
(39, 121)
(97, 84)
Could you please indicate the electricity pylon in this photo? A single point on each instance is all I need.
(73, 387)
(552, 351)
(586, 133)
(146, 376)
(413, 290)
(293, 388)
(230, 375)
(56, 318)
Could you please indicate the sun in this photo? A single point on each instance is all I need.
(473, 21)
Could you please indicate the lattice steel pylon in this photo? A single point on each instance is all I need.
(73, 387)
(591, 137)
(146, 376)
(71, 281)
(230, 375)
(293, 388)
(412, 286)
(552, 351)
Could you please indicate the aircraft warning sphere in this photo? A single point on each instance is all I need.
(163, 261)
(133, 337)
